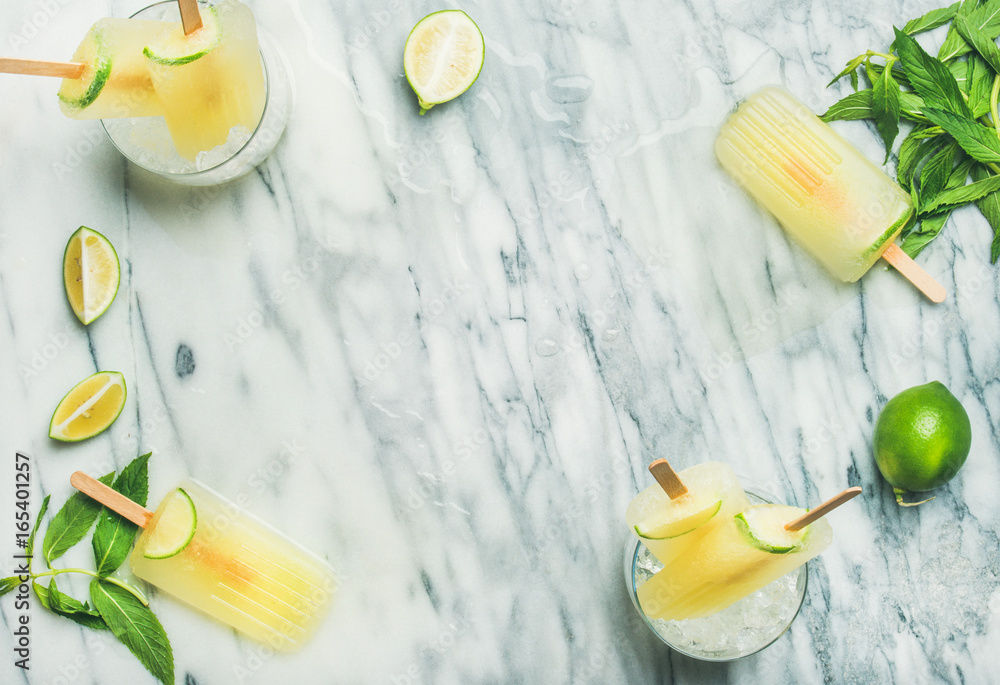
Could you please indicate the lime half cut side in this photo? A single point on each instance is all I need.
(685, 514)
(443, 56)
(91, 273)
(763, 526)
(89, 407)
(173, 49)
(174, 528)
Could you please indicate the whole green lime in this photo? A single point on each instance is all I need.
(922, 438)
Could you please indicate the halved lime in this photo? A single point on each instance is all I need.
(684, 514)
(764, 528)
(79, 93)
(175, 527)
(91, 273)
(173, 49)
(443, 56)
(89, 408)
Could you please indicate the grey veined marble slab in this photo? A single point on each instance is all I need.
(441, 350)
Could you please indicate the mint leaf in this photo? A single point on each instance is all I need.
(989, 205)
(71, 523)
(885, 105)
(852, 107)
(931, 20)
(115, 534)
(913, 149)
(979, 141)
(73, 609)
(980, 83)
(936, 171)
(136, 627)
(986, 18)
(966, 193)
(29, 548)
(8, 584)
(849, 69)
(982, 43)
(42, 593)
(931, 78)
(927, 230)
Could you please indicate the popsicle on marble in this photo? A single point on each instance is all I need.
(843, 209)
(211, 80)
(206, 551)
(669, 520)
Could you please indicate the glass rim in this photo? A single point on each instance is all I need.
(261, 34)
(633, 543)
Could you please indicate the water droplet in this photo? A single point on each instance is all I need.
(546, 347)
(611, 334)
(567, 89)
(582, 272)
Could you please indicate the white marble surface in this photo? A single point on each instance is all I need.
(441, 350)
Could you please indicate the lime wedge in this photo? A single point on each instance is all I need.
(684, 514)
(80, 93)
(764, 527)
(443, 57)
(91, 273)
(173, 49)
(90, 407)
(174, 528)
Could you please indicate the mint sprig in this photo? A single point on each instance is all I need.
(949, 109)
(114, 604)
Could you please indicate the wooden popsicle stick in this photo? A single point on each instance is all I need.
(37, 67)
(823, 509)
(112, 499)
(190, 16)
(667, 478)
(912, 272)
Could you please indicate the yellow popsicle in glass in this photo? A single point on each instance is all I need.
(842, 208)
(116, 81)
(738, 557)
(211, 80)
(211, 554)
(668, 526)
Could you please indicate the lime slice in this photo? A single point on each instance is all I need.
(175, 527)
(684, 514)
(79, 93)
(91, 273)
(90, 407)
(764, 528)
(174, 49)
(443, 57)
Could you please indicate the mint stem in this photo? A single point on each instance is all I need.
(125, 586)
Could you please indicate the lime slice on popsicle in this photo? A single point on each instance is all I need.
(764, 527)
(443, 56)
(686, 513)
(175, 527)
(80, 93)
(91, 273)
(89, 408)
(174, 49)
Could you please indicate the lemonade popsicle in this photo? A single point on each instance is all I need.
(209, 553)
(668, 526)
(738, 557)
(209, 81)
(838, 205)
(115, 81)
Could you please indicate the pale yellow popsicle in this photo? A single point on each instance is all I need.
(669, 526)
(211, 80)
(735, 559)
(115, 81)
(236, 568)
(843, 209)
